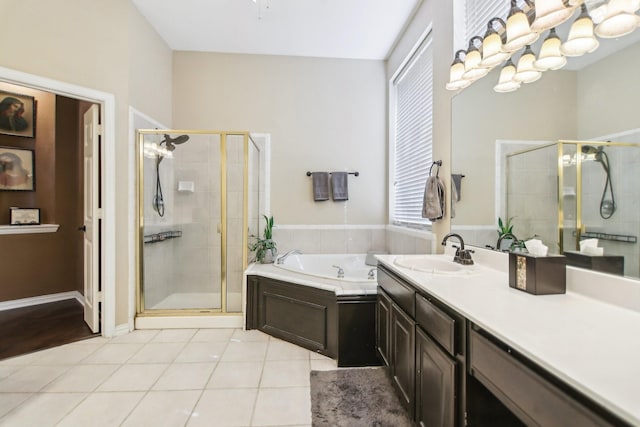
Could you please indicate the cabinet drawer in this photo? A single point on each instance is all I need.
(532, 398)
(436, 323)
(400, 293)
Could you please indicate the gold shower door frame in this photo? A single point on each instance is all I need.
(141, 311)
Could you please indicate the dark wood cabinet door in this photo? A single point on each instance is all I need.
(435, 384)
(383, 320)
(403, 333)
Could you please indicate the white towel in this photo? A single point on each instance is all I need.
(433, 203)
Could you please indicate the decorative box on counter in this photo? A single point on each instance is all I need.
(538, 275)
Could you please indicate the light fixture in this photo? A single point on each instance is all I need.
(550, 57)
(550, 13)
(581, 39)
(519, 32)
(456, 71)
(492, 53)
(616, 18)
(472, 68)
(526, 72)
(506, 83)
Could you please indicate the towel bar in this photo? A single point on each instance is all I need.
(350, 173)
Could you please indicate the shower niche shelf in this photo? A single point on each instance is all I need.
(162, 236)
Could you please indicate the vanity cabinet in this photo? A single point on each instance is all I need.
(420, 343)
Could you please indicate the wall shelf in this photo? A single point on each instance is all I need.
(28, 229)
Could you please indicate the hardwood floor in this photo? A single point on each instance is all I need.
(27, 329)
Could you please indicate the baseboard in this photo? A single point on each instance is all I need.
(42, 299)
(122, 329)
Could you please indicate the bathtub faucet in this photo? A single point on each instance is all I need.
(281, 258)
(340, 271)
(372, 273)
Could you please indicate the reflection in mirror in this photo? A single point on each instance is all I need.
(593, 102)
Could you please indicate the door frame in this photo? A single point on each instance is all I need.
(108, 153)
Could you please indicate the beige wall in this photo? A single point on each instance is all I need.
(482, 116)
(608, 94)
(322, 114)
(91, 45)
(438, 15)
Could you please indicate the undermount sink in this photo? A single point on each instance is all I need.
(436, 264)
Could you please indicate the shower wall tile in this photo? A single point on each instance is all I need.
(311, 239)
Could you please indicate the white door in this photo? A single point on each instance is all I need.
(92, 218)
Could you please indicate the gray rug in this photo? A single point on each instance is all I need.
(354, 398)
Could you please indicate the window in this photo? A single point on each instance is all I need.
(476, 14)
(411, 135)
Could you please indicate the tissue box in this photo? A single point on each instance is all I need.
(538, 275)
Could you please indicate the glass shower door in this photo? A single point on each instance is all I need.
(181, 222)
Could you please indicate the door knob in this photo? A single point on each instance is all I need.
(82, 228)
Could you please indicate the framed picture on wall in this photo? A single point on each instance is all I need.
(17, 114)
(17, 169)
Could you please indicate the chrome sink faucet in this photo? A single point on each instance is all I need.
(462, 256)
(281, 258)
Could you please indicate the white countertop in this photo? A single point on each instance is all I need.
(591, 345)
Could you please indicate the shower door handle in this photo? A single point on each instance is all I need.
(219, 228)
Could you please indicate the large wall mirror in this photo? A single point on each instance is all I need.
(507, 147)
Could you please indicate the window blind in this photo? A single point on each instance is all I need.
(413, 135)
(478, 13)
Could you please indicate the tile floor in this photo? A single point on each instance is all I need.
(170, 377)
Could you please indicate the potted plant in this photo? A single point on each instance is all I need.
(505, 229)
(265, 249)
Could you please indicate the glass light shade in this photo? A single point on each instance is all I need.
(519, 32)
(506, 83)
(549, 14)
(526, 72)
(492, 53)
(455, 74)
(617, 18)
(472, 68)
(550, 57)
(581, 38)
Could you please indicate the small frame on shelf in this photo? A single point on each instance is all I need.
(25, 216)
(17, 169)
(17, 114)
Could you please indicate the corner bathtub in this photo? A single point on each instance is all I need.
(316, 270)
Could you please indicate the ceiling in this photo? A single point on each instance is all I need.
(359, 29)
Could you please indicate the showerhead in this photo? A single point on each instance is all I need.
(172, 142)
(595, 151)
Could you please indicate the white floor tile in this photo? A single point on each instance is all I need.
(282, 350)
(157, 353)
(174, 335)
(6, 370)
(201, 352)
(133, 377)
(31, 378)
(42, 409)
(224, 408)
(285, 373)
(247, 336)
(81, 378)
(185, 376)
(245, 351)
(282, 406)
(27, 359)
(102, 410)
(213, 335)
(66, 354)
(142, 336)
(324, 365)
(317, 356)
(8, 401)
(112, 354)
(236, 375)
(163, 408)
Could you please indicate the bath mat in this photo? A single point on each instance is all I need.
(354, 398)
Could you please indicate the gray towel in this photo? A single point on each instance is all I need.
(455, 196)
(340, 186)
(433, 203)
(320, 186)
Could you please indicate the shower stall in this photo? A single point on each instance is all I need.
(567, 191)
(200, 195)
